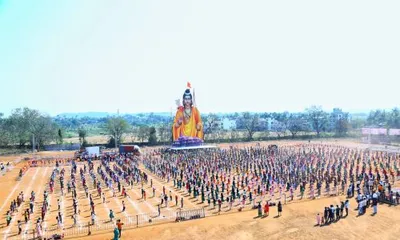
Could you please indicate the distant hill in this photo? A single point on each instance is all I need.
(85, 114)
(161, 114)
(107, 114)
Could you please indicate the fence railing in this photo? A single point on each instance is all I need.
(185, 215)
(88, 228)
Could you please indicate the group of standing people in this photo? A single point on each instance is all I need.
(252, 174)
(333, 213)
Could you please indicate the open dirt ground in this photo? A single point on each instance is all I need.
(297, 221)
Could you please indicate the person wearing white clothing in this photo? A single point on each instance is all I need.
(375, 205)
(347, 205)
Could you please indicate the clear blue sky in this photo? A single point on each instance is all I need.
(136, 56)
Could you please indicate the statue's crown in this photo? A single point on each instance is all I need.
(187, 94)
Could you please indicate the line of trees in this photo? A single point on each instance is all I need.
(313, 120)
(385, 119)
(26, 127)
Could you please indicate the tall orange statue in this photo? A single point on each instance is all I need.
(187, 121)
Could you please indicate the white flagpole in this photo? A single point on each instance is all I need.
(194, 98)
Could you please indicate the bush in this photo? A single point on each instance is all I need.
(152, 137)
(111, 143)
(85, 143)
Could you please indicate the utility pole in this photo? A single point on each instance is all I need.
(33, 142)
(115, 140)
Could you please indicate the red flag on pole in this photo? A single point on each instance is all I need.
(188, 85)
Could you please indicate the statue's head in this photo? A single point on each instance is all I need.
(187, 98)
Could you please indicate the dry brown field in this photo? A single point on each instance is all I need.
(297, 221)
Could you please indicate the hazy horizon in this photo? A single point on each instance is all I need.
(258, 56)
(70, 114)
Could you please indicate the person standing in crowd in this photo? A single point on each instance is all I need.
(119, 225)
(318, 220)
(347, 206)
(116, 233)
(279, 208)
(266, 209)
(375, 205)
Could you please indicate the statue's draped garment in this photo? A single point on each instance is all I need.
(187, 128)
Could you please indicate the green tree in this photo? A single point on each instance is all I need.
(5, 134)
(21, 124)
(394, 118)
(211, 124)
(318, 118)
(116, 128)
(342, 125)
(381, 118)
(378, 118)
(60, 136)
(152, 136)
(250, 122)
(44, 130)
(165, 131)
(27, 124)
(281, 122)
(234, 135)
(357, 123)
(296, 123)
(143, 133)
(111, 142)
(82, 133)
